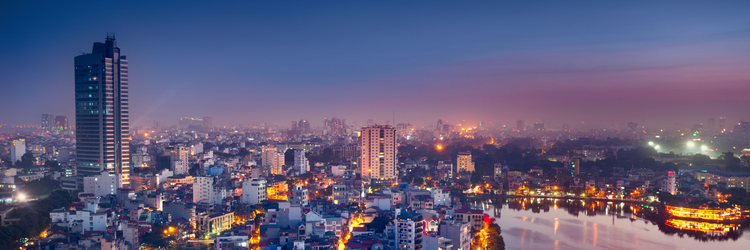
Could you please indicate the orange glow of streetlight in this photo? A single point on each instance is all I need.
(439, 147)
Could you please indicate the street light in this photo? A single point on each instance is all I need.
(691, 144)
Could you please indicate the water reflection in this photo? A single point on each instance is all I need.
(579, 224)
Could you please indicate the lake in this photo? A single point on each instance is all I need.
(532, 223)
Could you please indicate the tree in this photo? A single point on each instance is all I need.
(379, 223)
(157, 238)
(489, 237)
(27, 160)
(418, 181)
(51, 164)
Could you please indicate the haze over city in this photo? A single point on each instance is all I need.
(374, 125)
(601, 63)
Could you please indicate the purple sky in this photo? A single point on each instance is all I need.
(561, 62)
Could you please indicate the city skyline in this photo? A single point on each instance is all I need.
(271, 62)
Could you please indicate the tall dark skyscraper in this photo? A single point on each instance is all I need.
(102, 124)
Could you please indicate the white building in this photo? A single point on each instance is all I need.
(441, 197)
(301, 163)
(409, 231)
(299, 196)
(670, 184)
(273, 159)
(90, 221)
(231, 242)
(459, 232)
(379, 158)
(203, 190)
(253, 191)
(17, 150)
(102, 184)
(338, 170)
(180, 160)
(196, 149)
(434, 242)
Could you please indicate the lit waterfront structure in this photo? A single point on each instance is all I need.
(719, 215)
(102, 116)
(700, 226)
(379, 158)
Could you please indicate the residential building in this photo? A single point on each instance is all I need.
(254, 191)
(61, 123)
(235, 242)
(203, 189)
(299, 196)
(379, 157)
(273, 159)
(216, 223)
(85, 220)
(301, 164)
(441, 197)
(48, 121)
(409, 231)
(17, 150)
(464, 162)
(103, 184)
(179, 160)
(458, 232)
(436, 242)
(731, 180)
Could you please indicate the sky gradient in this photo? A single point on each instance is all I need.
(276, 61)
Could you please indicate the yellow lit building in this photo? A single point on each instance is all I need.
(184, 179)
(464, 162)
(215, 223)
(277, 191)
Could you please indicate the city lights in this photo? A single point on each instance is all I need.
(690, 144)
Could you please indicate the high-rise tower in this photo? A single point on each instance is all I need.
(101, 101)
(48, 120)
(379, 158)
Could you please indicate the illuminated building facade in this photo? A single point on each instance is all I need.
(273, 159)
(409, 231)
(179, 160)
(464, 162)
(215, 223)
(732, 180)
(254, 191)
(61, 123)
(379, 158)
(671, 183)
(575, 167)
(102, 116)
(48, 120)
(102, 184)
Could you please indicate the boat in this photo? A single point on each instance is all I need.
(727, 215)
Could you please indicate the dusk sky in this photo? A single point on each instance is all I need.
(599, 62)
